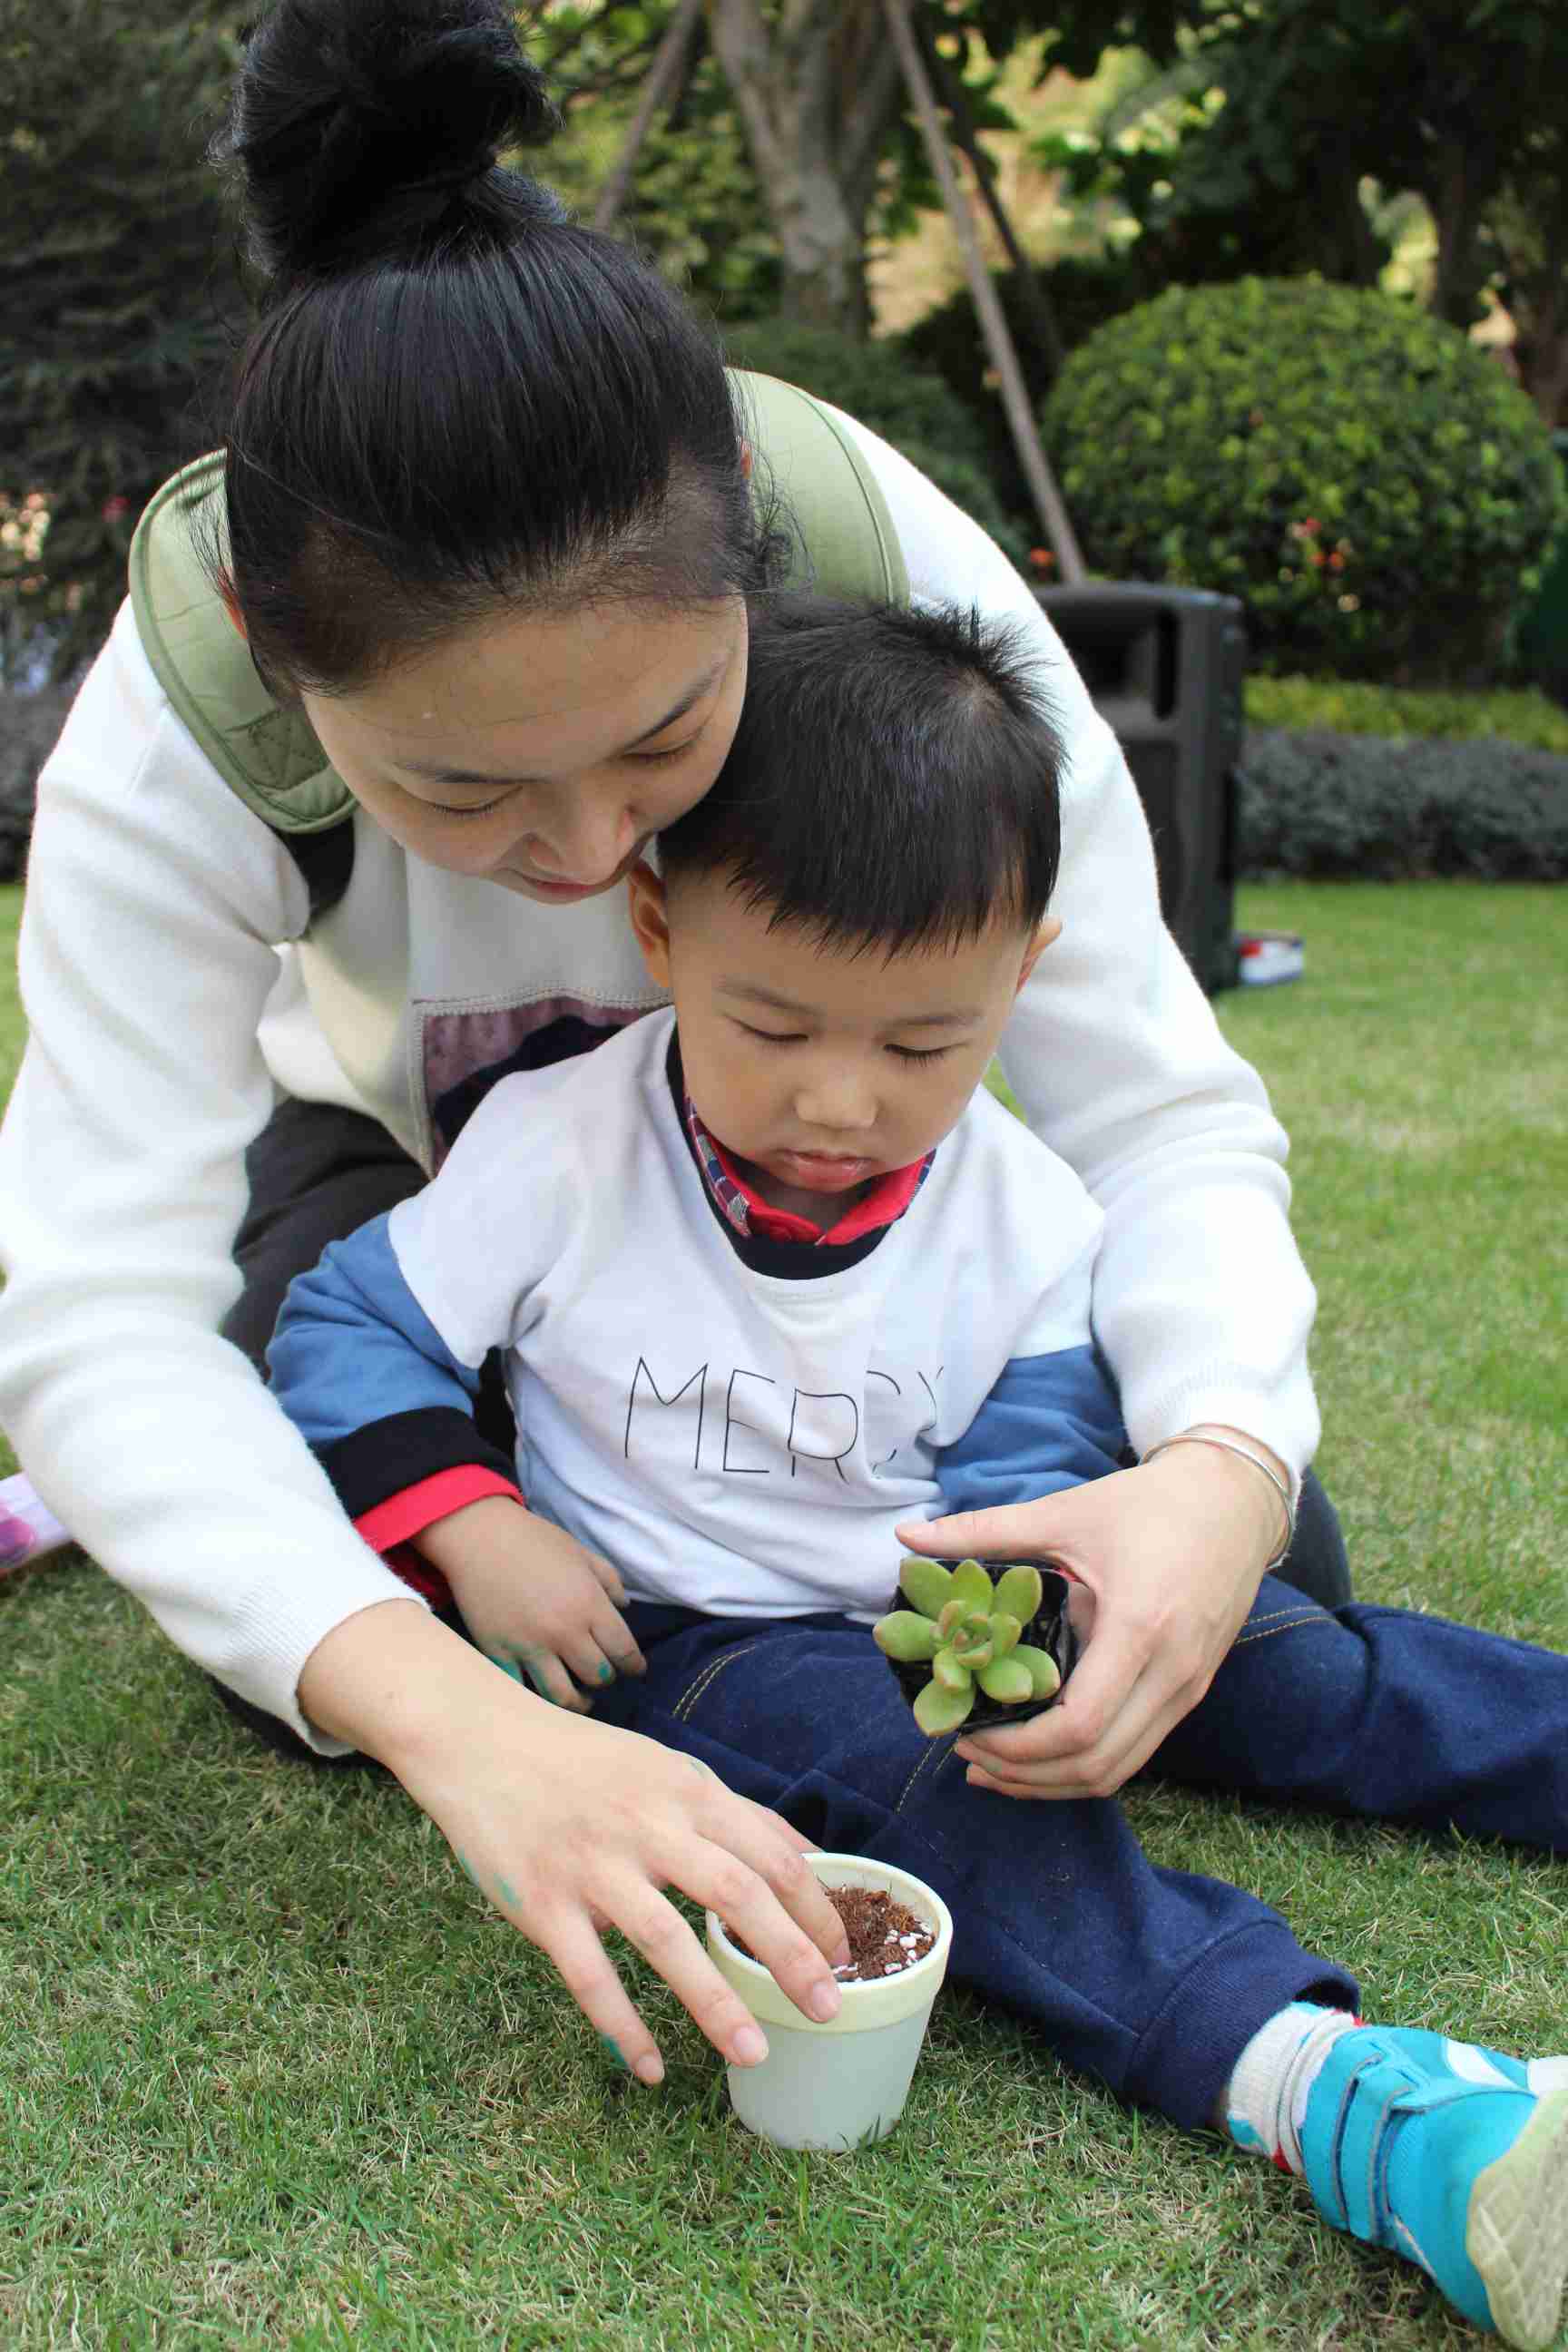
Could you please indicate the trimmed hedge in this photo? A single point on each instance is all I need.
(1332, 807)
(1369, 481)
(875, 383)
(1509, 715)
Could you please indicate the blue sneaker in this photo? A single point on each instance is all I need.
(1455, 2158)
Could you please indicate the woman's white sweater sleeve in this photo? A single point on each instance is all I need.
(147, 953)
(1202, 1305)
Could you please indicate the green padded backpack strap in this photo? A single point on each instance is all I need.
(264, 751)
(844, 542)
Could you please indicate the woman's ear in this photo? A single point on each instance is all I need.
(645, 898)
(1049, 929)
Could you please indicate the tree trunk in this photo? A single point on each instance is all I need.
(1456, 196)
(815, 92)
(1536, 275)
(1541, 356)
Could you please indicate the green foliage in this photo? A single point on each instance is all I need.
(1365, 807)
(1076, 32)
(118, 299)
(1519, 715)
(1373, 486)
(1082, 290)
(1082, 294)
(1291, 126)
(875, 383)
(694, 206)
(971, 1632)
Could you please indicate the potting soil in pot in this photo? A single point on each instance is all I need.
(885, 1936)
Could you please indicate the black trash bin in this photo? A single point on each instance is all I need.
(1166, 667)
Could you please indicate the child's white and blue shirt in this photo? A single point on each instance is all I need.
(734, 1436)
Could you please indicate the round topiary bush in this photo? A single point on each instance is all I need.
(875, 383)
(1369, 481)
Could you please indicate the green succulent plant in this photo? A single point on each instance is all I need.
(971, 1632)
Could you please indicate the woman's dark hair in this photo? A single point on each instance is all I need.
(456, 400)
(894, 782)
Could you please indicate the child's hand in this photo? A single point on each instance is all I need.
(534, 1601)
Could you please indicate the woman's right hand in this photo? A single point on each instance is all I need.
(569, 1826)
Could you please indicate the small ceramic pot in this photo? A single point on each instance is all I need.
(1050, 1629)
(843, 2083)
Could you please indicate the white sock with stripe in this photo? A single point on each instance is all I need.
(1266, 2097)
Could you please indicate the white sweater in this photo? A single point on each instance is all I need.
(161, 1022)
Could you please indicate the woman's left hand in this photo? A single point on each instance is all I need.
(1170, 1556)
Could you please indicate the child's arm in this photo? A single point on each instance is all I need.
(386, 1405)
(1052, 1420)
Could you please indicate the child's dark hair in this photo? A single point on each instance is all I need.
(894, 780)
(455, 400)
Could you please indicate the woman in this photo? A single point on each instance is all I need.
(491, 528)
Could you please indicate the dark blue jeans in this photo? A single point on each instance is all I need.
(1151, 1979)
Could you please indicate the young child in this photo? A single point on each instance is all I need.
(773, 1277)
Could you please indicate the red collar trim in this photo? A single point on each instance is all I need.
(883, 1204)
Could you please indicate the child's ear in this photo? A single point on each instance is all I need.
(1049, 929)
(645, 894)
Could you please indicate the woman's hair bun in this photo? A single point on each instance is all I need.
(356, 124)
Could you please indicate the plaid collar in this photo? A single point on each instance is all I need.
(883, 1204)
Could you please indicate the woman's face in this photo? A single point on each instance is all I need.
(542, 753)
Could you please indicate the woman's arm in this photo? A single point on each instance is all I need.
(570, 1826)
(1201, 1302)
(153, 901)
(1202, 1305)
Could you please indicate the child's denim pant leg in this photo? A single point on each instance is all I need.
(1387, 1714)
(1151, 1979)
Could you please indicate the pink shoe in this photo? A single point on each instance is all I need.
(29, 1528)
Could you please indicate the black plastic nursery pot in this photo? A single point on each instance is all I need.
(1050, 1628)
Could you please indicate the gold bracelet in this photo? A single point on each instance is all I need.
(1229, 1446)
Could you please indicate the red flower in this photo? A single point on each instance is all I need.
(1041, 558)
(115, 508)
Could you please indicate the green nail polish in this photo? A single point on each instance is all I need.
(613, 2049)
(606, 1674)
(537, 1677)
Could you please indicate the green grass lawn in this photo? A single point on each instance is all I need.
(270, 2074)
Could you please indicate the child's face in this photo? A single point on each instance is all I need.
(820, 1067)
